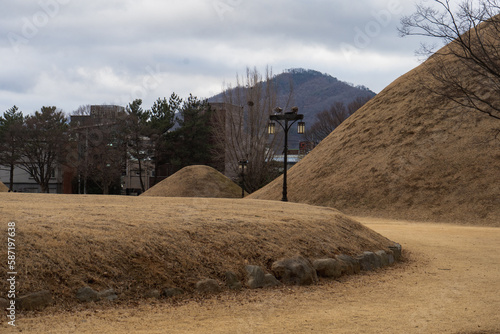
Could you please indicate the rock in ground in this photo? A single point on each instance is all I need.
(297, 270)
(397, 251)
(172, 292)
(270, 281)
(257, 278)
(109, 295)
(349, 265)
(330, 268)
(384, 258)
(369, 261)
(4, 303)
(156, 294)
(35, 301)
(208, 286)
(87, 294)
(232, 281)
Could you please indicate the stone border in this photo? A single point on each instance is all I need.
(292, 271)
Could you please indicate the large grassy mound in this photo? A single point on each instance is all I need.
(134, 244)
(407, 153)
(196, 181)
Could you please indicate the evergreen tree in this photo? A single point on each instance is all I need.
(192, 141)
(10, 142)
(162, 119)
(138, 136)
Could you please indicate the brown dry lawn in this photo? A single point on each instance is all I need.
(137, 244)
(449, 284)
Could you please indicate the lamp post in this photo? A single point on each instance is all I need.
(243, 168)
(283, 120)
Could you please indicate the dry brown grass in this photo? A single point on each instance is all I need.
(406, 154)
(134, 244)
(196, 181)
(3, 187)
(449, 284)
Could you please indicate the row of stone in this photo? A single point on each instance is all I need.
(300, 271)
(296, 271)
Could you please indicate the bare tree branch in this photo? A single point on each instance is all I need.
(469, 66)
(242, 128)
(328, 120)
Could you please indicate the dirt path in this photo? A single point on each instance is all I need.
(450, 285)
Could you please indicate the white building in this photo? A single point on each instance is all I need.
(23, 182)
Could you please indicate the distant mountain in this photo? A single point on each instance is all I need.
(313, 92)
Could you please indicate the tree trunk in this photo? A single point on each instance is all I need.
(11, 179)
(140, 174)
(155, 180)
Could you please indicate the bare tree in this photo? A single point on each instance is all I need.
(45, 136)
(241, 128)
(83, 110)
(329, 119)
(98, 147)
(357, 103)
(106, 156)
(468, 70)
(326, 122)
(80, 132)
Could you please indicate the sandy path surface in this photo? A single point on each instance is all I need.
(451, 284)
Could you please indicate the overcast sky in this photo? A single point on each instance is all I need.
(69, 53)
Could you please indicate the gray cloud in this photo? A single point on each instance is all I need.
(68, 53)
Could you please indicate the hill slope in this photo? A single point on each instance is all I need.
(3, 187)
(407, 153)
(196, 181)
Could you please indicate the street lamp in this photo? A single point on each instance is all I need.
(243, 168)
(290, 116)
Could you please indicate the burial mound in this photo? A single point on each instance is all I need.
(138, 245)
(196, 181)
(408, 153)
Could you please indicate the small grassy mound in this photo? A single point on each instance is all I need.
(3, 188)
(196, 181)
(135, 244)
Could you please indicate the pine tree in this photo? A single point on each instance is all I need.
(10, 142)
(193, 140)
